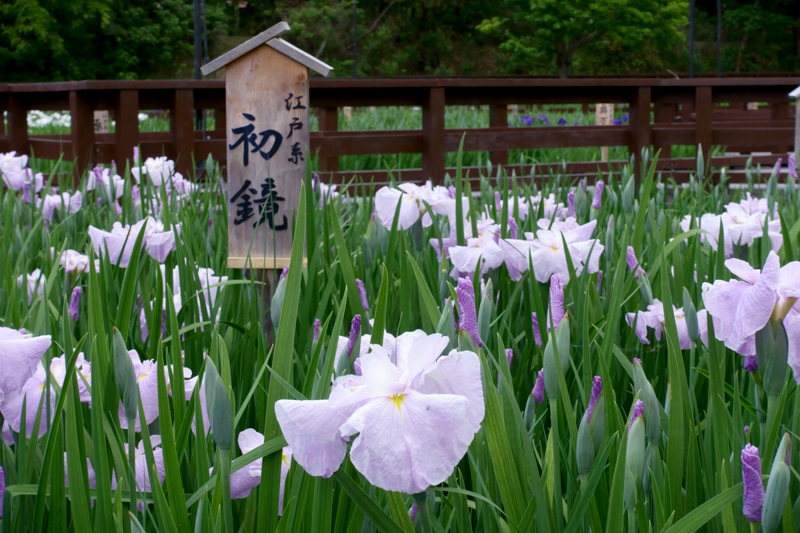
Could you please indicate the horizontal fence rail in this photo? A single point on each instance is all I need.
(663, 112)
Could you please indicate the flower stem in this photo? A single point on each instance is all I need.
(225, 472)
(421, 498)
(557, 506)
(132, 463)
(631, 521)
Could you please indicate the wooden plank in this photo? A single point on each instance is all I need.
(540, 137)
(328, 123)
(309, 61)
(703, 110)
(127, 128)
(433, 152)
(641, 137)
(245, 47)
(276, 263)
(328, 144)
(81, 131)
(264, 180)
(17, 124)
(498, 118)
(181, 120)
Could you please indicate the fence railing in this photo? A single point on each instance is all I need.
(663, 112)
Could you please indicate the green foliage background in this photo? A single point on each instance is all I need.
(46, 40)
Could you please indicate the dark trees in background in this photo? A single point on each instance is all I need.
(47, 40)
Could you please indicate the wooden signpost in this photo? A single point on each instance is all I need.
(266, 104)
(604, 116)
(101, 122)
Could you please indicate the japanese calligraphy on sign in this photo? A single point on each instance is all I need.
(266, 105)
(267, 110)
(101, 121)
(604, 115)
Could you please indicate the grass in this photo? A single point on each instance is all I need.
(520, 473)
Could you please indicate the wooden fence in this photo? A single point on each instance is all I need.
(663, 112)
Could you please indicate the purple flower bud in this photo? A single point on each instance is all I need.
(777, 169)
(2, 489)
(513, 229)
(556, 300)
(74, 304)
(284, 273)
(537, 335)
(753, 500)
(750, 363)
(509, 356)
(791, 166)
(357, 366)
(599, 280)
(317, 327)
(135, 154)
(597, 388)
(355, 328)
(314, 181)
(637, 361)
(412, 513)
(538, 388)
(362, 293)
(597, 201)
(633, 263)
(571, 204)
(582, 183)
(746, 429)
(498, 202)
(466, 310)
(451, 191)
(26, 192)
(638, 411)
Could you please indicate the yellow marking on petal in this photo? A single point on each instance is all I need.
(142, 377)
(285, 459)
(397, 400)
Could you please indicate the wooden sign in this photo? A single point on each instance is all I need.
(604, 116)
(266, 104)
(101, 122)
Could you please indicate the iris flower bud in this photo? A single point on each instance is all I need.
(635, 455)
(777, 488)
(651, 405)
(753, 486)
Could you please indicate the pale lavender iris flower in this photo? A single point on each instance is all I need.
(654, 318)
(74, 310)
(414, 420)
(141, 470)
(19, 356)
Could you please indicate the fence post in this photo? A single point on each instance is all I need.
(17, 125)
(640, 127)
(704, 110)
(328, 121)
(498, 118)
(181, 118)
(81, 131)
(664, 115)
(127, 128)
(433, 136)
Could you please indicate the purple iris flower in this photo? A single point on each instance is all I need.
(527, 120)
(544, 119)
(753, 500)
(638, 411)
(355, 328)
(597, 388)
(362, 294)
(750, 363)
(467, 316)
(537, 335)
(538, 388)
(571, 204)
(562, 121)
(633, 264)
(597, 201)
(74, 304)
